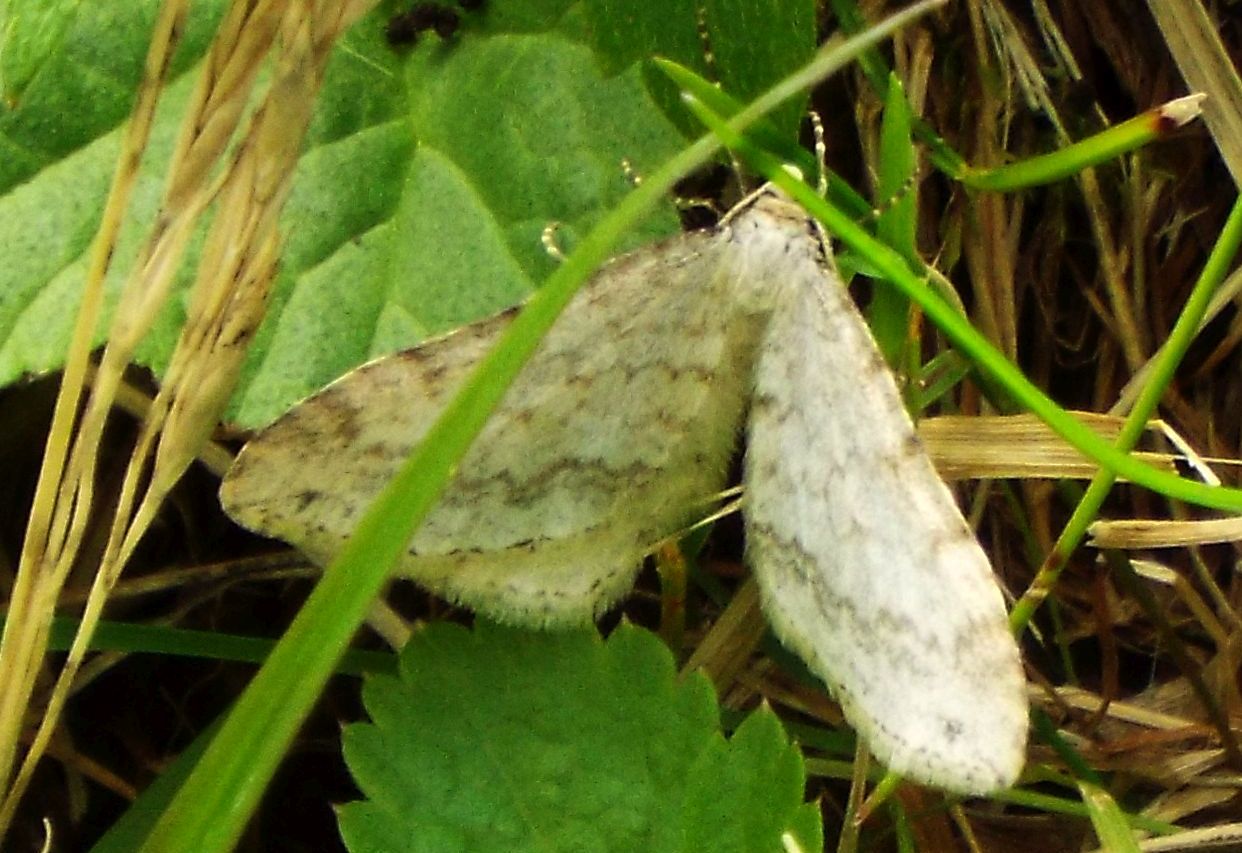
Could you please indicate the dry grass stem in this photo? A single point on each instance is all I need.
(1193, 39)
(227, 301)
(1133, 534)
(41, 571)
(1015, 446)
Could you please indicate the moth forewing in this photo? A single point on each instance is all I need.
(866, 566)
(622, 423)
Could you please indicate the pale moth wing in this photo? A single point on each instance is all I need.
(622, 424)
(619, 430)
(867, 569)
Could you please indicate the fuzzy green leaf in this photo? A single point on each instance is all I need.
(428, 178)
(500, 739)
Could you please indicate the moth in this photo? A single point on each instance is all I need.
(623, 424)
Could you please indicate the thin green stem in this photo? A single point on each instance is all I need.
(1098, 148)
(1163, 368)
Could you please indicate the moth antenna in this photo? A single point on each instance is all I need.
(705, 40)
(713, 74)
(550, 244)
(631, 174)
(821, 153)
(895, 198)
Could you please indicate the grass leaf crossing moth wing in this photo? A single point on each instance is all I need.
(624, 422)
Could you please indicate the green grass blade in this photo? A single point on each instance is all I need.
(1037, 801)
(128, 832)
(1095, 149)
(897, 200)
(131, 638)
(1109, 821)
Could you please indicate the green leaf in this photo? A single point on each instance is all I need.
(29, 31)
(497, 136)
(1108, 820)
(73, 73)
(58, 152)
(419, 202)
(522, 120)
(761, 770)
(500, 739)
(756, 44)
(752, 44)
(428, 177)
